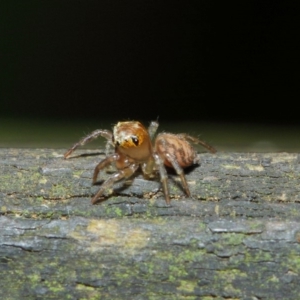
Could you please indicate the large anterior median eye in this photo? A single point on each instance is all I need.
(135, 140)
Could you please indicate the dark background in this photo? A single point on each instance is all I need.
(190, 60)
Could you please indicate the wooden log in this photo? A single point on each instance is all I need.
(238, 237)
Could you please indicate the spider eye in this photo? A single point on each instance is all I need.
(135, 140)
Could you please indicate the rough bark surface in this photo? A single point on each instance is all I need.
(238, 237)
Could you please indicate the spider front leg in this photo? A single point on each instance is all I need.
(93, 135)
(121, 174)
(103, 164)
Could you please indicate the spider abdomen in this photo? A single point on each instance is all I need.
(175, 146)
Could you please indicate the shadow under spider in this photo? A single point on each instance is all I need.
(86, 155)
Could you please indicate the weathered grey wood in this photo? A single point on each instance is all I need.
(237, 238)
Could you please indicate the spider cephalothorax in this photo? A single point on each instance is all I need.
(134, 148)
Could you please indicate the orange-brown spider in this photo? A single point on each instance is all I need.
(134, 149)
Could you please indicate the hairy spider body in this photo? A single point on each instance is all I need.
(178, 147)
(134, 149)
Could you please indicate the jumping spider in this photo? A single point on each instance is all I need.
(135, 147)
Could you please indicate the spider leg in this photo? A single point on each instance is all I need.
(166, 156)
(93, 135)
(172, 160)
(107, 146)
(103, 164)
(197, 141)
(163, 176)
(121, 174)
(152, 128)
